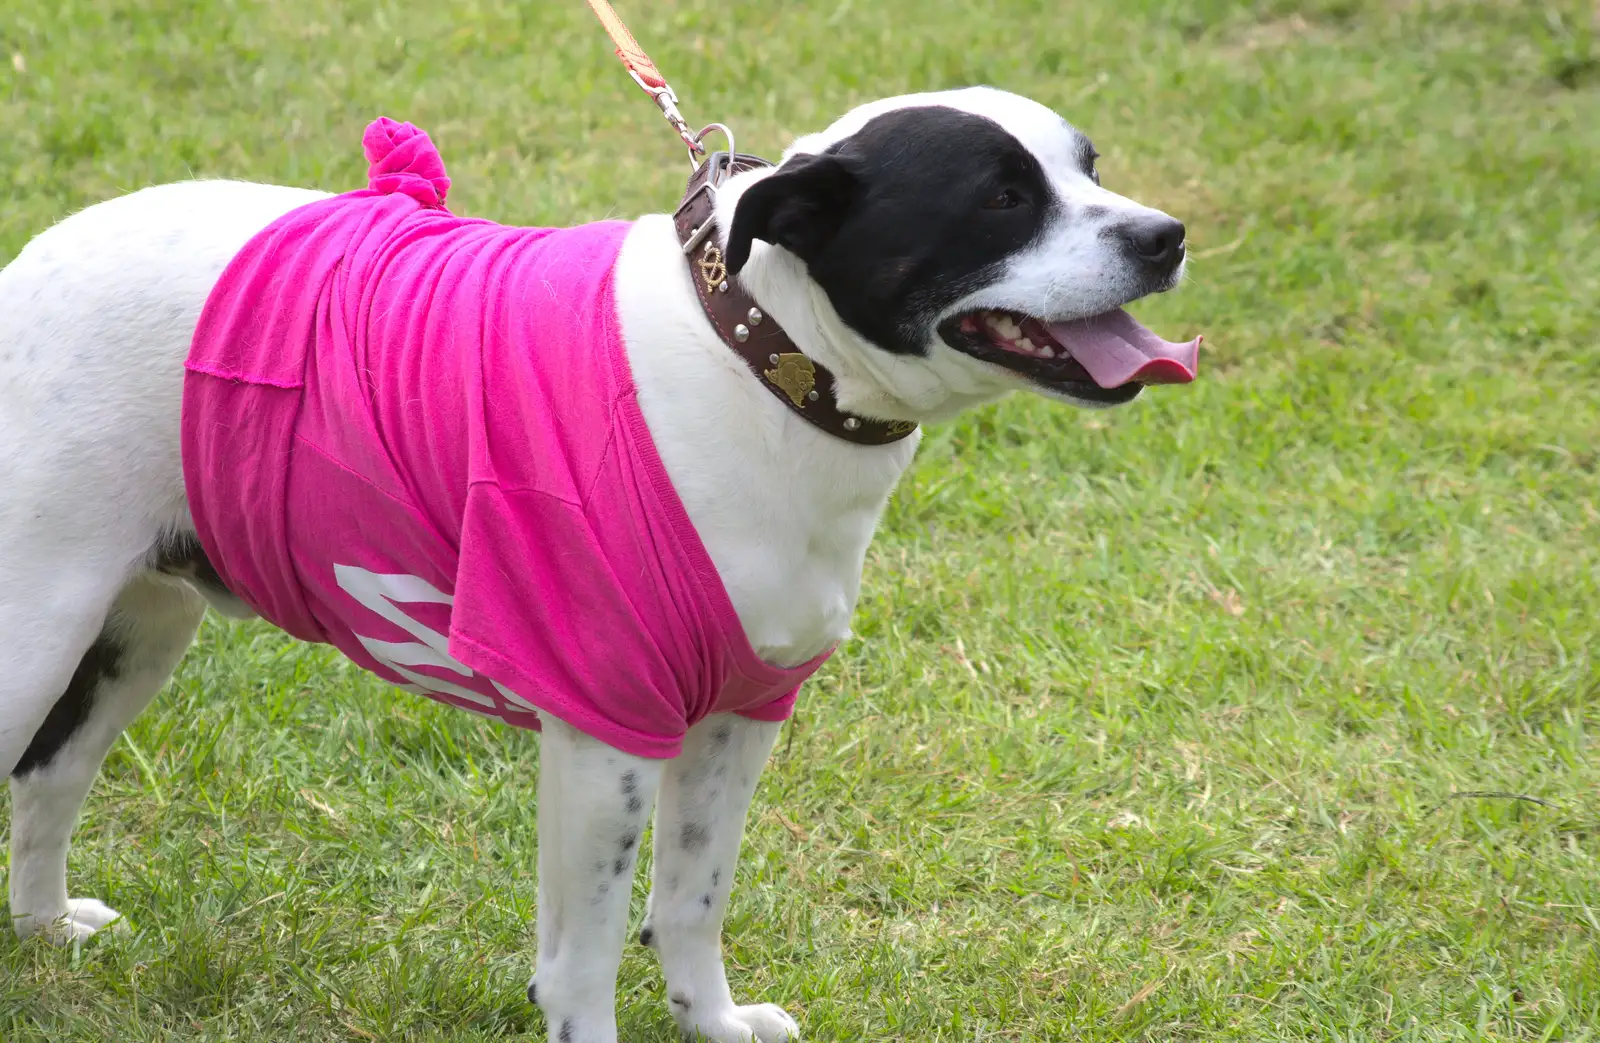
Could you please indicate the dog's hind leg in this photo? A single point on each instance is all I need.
(705, 796)
(594, 803)
(144, 635)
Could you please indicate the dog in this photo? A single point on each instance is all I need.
(933, 252)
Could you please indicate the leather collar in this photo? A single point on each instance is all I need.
(802, 385)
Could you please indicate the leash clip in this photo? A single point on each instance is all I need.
(643, 71)
(666, 100)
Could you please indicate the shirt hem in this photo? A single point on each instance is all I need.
(491, 664)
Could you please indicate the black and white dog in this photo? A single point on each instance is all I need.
(954, 231)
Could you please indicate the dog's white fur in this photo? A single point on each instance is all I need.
(96, 316)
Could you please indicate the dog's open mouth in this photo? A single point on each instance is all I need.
(1106, 358)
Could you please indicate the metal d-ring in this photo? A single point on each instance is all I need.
(698, 148)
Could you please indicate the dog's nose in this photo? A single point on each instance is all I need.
(1157, 241)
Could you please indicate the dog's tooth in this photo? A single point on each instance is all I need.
(1047, 351)
(1027, 345)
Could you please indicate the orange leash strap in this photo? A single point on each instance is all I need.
(646, 75)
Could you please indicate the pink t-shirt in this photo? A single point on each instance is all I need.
(415, 436)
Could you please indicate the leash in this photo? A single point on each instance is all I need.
(803, 386)
(643, 71)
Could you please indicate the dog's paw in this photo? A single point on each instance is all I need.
(83, 918)
(757, 1023)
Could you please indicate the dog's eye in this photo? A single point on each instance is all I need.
(1004, 201)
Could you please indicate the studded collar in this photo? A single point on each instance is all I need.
(802, 385)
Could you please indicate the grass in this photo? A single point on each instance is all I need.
(1158, 724)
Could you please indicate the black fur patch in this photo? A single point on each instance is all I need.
(101, 663)
(180, 554)
(646, 936)
(900, 220)
(693, 836)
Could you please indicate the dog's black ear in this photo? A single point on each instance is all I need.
(799, 207)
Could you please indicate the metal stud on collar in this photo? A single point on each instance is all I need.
(851, 423)
(741, 332)
(755, 316)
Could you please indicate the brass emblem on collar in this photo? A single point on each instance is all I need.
(794, 375)
(895, 428)
(712, 270)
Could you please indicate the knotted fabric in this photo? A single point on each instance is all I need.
(401, 158)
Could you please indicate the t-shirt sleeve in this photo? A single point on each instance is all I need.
(538, 609)
(778, 710)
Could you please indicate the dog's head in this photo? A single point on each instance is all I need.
(958, 245)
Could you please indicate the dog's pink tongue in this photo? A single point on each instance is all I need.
(1115, 350)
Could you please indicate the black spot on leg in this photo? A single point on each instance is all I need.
(565, 1035)
(680, 1000)
(626, 842)
(722, 736)
(716, 877)
(647, 934)
(533, 993)
(705, 901)
(630, 789)
(101, 663)
(694, 836)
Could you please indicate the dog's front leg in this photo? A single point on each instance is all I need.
(700, 823)
(594, 803)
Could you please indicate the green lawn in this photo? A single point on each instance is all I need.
(1159, 724)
